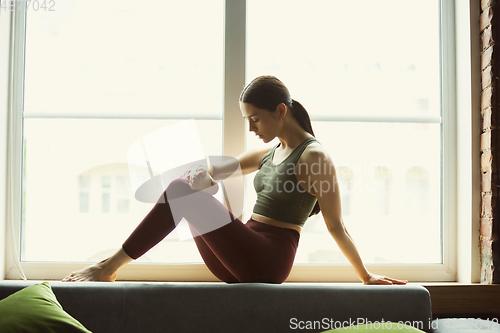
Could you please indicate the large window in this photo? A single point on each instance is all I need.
(98, 76)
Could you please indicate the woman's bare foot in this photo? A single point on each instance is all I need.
(102, 271)
(95, 272)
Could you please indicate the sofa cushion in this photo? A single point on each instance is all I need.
(130, 307)
(36, 309)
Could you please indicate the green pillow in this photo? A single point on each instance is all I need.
(379, 327)
(36, 309)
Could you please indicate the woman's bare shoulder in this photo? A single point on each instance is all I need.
(315, 156)
(312, 152)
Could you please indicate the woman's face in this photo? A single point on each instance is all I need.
(263, 123)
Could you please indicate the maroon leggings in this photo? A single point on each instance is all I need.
(233, 251)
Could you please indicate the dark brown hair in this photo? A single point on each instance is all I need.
(267, 92)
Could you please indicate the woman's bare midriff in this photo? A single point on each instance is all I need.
(276, 223)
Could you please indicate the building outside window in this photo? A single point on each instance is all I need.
(84, 193)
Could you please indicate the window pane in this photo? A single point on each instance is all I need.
(122, 205)
(339, 59)
(73, 203)
(84, 202)
(123, 191)
(125, 57)
(94, 59)
(385, 227)
(105, 203)
(372, 67)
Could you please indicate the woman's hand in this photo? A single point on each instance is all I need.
(200, 180)
(380, 279)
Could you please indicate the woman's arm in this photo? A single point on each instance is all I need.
(322, 183)
(248, 161)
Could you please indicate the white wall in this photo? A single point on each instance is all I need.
(4, 94)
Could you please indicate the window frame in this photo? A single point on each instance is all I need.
(453, 14)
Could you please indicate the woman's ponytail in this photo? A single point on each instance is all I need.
(302, 117)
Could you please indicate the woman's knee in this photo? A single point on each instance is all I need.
(178, 188)
(178, 182)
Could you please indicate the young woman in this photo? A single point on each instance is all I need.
(295, 179)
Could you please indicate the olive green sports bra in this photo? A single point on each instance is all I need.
(279, 194)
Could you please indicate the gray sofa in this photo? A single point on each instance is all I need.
(124, 307)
